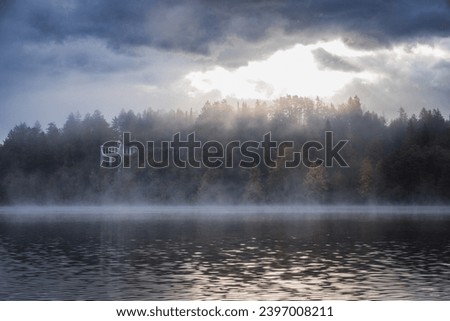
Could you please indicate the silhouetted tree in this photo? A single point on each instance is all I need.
(404, 160)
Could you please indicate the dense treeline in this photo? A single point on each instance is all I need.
(405, 160)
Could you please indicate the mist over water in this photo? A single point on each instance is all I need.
(30, 212)
(220, 252)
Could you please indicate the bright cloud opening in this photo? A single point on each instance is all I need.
(291, 71)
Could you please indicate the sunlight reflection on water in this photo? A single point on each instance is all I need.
(294, 258)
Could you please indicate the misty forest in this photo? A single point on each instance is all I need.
(404, 160)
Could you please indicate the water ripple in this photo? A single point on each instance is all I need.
(384, 259)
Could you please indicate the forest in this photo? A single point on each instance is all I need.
(405, 160)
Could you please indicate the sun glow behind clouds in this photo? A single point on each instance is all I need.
(291, 71)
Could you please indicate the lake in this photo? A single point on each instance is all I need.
(225, 253)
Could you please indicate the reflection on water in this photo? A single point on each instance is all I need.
(293, 258)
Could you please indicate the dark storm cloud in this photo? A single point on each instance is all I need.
(329, 61)
(206, 29)
(128, 24)
(382, 20)
(192, 27)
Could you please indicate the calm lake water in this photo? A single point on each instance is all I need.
(246, 253)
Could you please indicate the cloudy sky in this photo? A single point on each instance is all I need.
(62, 56)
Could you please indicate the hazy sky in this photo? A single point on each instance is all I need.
(62, 56)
